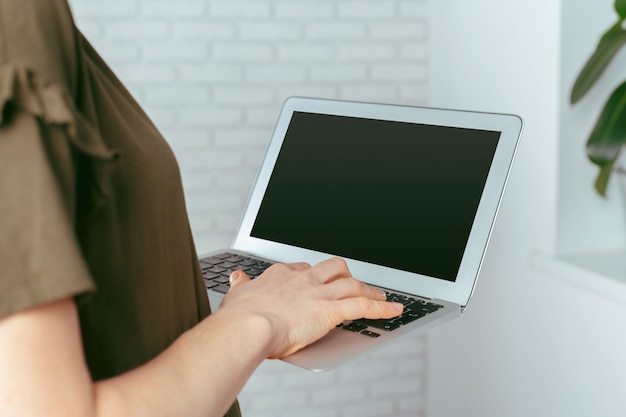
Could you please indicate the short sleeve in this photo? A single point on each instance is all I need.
(42, 140)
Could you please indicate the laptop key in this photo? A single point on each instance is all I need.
(370, 334)
(381, 324)
(409, 317)
(223, 288)
(221, 279)
(210, 284)
(210, 275)
(355, 327)
(216, 270)
(211, 261)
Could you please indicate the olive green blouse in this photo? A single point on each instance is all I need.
(91, 201)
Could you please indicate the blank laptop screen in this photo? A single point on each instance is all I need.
(395, 194)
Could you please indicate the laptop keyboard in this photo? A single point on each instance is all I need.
(216, 270)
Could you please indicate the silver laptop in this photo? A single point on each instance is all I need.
(408, 196)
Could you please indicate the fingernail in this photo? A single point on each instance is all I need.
(398, 307)
(234, 276)
(383, 295)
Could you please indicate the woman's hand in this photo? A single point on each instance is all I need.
(302, 303)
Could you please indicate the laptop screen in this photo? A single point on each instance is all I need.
(396, 194)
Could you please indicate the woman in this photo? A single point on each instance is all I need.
(102, 307)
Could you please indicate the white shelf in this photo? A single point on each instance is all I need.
(602, 274)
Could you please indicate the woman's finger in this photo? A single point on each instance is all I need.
(340, 289)
(363, 307)
(330, 270)
(299, 266)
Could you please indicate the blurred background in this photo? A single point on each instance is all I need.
(543, 335)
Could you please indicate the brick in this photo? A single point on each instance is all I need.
(162, 118)
(414, 93)
(310, 412)
(396, 386)
(366, 52)
(175, 51)
(414, 51)
(369, 92)
(265, 116)
(304, 10)
(203, 30)
(187, 140)
(104, 10)
(199, 182)
(360, 9)
(133, 29)
(414, 8)
(91, 28)
(258, 384)
(176, 95)
(173, 8)
(412, 366)
(276, 74)
(280, 399)
(310, 380)
(201, 224)
(114, 53)
(210, 159)
(317, 89)
(253, 157)
(210, 116)
(337, 394)
(241, 182)
(270, 31)
(144, 74)
(334, 31)
(242, 94)
(306, 52)
(380, 408)
(240, 138)
(209, 241)
(243, 52)
(339, 72)
(398, 72)
(240, 9)
(211, 73)
(398, 30)
(411, 405)
(221, 201)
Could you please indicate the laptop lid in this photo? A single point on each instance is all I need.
(407, 195)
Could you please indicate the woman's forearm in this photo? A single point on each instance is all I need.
(199, 375)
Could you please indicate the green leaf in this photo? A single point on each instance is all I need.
(612, 40)
(608, 137)
(609, 133)
(602, 180)
(620, 8)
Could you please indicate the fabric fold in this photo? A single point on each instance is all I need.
(22, 90)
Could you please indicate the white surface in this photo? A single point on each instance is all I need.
(602, 274)
(537, 342)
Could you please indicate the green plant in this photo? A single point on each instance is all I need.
(608, 137)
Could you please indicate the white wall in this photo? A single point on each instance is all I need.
(529, 344)
(212, 74)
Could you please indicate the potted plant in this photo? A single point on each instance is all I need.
(608, 137)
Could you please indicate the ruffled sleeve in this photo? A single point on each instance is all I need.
(25, 92)
(54, 168)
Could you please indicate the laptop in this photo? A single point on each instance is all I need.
(408, 196)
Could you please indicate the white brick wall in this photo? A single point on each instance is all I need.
(212, 74)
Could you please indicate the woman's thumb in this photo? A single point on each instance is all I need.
(238, 278)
